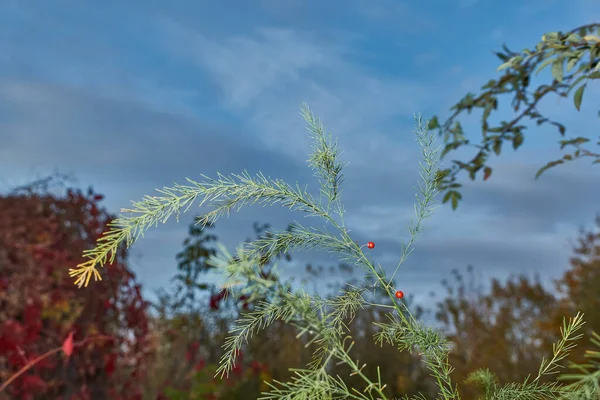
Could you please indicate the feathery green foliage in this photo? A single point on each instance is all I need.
(325, 321)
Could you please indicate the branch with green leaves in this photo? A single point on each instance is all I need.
(325, 321)
(574, 59)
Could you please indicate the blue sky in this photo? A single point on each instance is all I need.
(132, 96)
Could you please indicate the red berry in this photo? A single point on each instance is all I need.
(399, 294)
(370, 245)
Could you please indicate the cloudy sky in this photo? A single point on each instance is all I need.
(132, 96)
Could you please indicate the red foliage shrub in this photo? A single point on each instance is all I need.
(41, 236)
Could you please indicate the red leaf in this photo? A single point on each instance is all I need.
(67, 345)
(33, 382)
(487, 171)
(31, 314)
(200, 365)
(109, 363)
(195, 346)
(12, 333)
(256, 367)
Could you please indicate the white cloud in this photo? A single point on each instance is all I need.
(246, 68)
(266, 76)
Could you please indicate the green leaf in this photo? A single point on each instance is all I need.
(447, 196)
(472, 173)
(507, 64)
(573, 61)
(501, 56)
(517, 140)
(455, 199)
(573, 142)
(442, 173)
(595, 74)
(575, 82)
(561, 127)
(434, 123)
(497, 146)
(543, 65)
(578, 96)
(517, 60)
(557, 70)
(449, 147)
(548, 166)
(550, 36)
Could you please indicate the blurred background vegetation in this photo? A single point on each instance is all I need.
(170, 349)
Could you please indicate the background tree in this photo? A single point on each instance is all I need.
(42, 235)
(505, 330)
(193, 319)
(513, 326)
(579, 287)
(195, 333)
(574, 59)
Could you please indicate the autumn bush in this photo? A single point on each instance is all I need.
(42, 235)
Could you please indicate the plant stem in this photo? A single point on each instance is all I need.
(47, 354)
